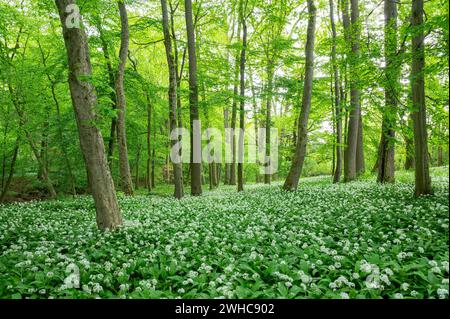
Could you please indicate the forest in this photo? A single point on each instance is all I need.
(224, 149)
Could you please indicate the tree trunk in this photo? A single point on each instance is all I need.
(84, 100)
(196, 168)
(360, 164)
(422, 174)
(291, 182)
(124, 165)
(177, 168)
(179, 75)
(113, 127)
(12, 164)
(20, 112)
(409, 144)
(210, 159)
(242, 104)
(227, 165)
(153, 184)
(61, 139)
(386, 163)
(337, 101)
(255, 119)
(350, 155)
(138, 157)
(440, 156)
(149, 144)
(270, 72)
(44, 146)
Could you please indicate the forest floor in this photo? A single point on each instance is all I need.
(356, 240)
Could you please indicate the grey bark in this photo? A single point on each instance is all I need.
(386, 163)
(419, 115)
(177, 169)
(124, 165)
(350, 154)
(84, 100)
(196, 168)
(291, 182)
(242, 104)
(337, 101)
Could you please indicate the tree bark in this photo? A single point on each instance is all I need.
(177, 169)
(234, 114)
(124, 165)
(270, 72)
(113, 127)
(255, 123)
(386, 163)
(291, 182)
(242, 103)
(149, 144)
(12, 164)
(337, 101)
(196, 168)
(409, 144)
(360, 163)
(138, 158)
(179, 76)
(350, 155)
(84, 100)
(226, 122)
(419, 115)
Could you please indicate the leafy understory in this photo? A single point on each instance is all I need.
(357, 240)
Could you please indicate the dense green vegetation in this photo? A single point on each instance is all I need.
(359, 240)
(333, 185)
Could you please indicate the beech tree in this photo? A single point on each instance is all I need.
(295, 171)
(419, 113)
(91, 141)
(124, 165)
(196, 168)
(177, 171)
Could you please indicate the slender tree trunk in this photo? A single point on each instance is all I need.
(291, 182)
(233, 130)
(409, 144)
(234, 112)
(360, 163)
(153, 184)
(337, 101)
(61, 138)
(124, 165)
(138, 157)
(440, 156)
(44, 145)
(177, 169)
(350, 155)
(255, 123)
(419, 115)
(386, 163)
(20, 112)
(210, 159)
(196, 168)
(4, 149)
(179, 75)
(270, 72)
(113, 126)
(242, 104)
(226, 121)
(149, 144)
(12, 164)
(84, 99)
